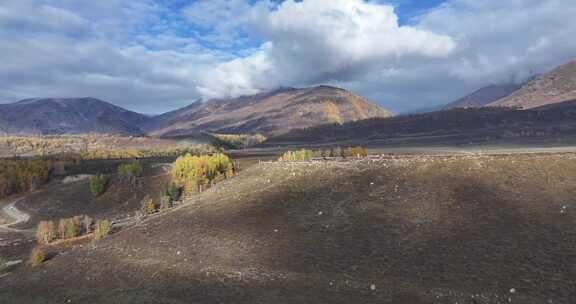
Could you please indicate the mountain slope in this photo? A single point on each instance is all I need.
(552, 123)
(67, 116)
(484, 96)
(270, 113)
(556, 86)
(409, 230)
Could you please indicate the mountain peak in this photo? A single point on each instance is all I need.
(38, 116)
(556, 86)
(270, 113)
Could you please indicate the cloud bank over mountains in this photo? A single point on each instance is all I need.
(153, 56)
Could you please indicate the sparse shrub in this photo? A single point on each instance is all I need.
(87, 224)
(173, 191)
(148, 206)
(132, 169)
(71, 229)
(300, 155)
(165, 203)
(101, 229)
(98, 185)
(355, 152)
(46, 232)
(62, 229)
(36, 257)
(3, 263)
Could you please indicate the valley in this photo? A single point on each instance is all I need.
(287, 152)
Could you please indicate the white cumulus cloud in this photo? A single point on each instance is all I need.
(318, 41)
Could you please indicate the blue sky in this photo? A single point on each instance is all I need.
(157, 55)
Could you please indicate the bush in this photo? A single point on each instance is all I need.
(36, 257)
(148, 206)
(98, 185)
(166, 203)
(173, 191)
(133, 169)
(355, 152)
(3, 263)
(87, 223)
(62, 229)
(71, 229)
(300, 155)
(101, 229)
(46, 232)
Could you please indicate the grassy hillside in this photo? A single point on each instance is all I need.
(474, 229)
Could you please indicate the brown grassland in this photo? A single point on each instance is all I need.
(399, 229)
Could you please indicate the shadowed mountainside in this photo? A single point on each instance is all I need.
(484, 96)
(43, 116)
(455, 126)
(407, 230)
(271, 113)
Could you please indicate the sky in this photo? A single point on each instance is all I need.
(153, 56)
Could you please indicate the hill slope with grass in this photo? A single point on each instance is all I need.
(399, 230)
(269, 113)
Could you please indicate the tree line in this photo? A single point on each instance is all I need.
(305, 154)
(70, 228)
(198, 173)
(18, 176)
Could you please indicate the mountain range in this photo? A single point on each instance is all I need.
(270, 113)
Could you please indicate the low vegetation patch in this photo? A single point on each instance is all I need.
(102, 229)
(49, 232)
(131, 169)
(3, 263)
(237, 141)
(148, 206)
(304, 154)
(98, 185)
(37, 257)
(140, 154)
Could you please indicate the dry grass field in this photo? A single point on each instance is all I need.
(401, 229)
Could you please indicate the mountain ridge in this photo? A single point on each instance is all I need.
(484, 96)
(556, 86)
(271, 113)
(52, 116)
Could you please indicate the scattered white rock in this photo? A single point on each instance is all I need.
(275, 230)
(373, 287)
(513, 290)
(320, 213)
(178, 252)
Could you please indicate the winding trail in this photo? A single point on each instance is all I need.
(18, 216)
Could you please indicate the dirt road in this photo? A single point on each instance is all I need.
(17, 215)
